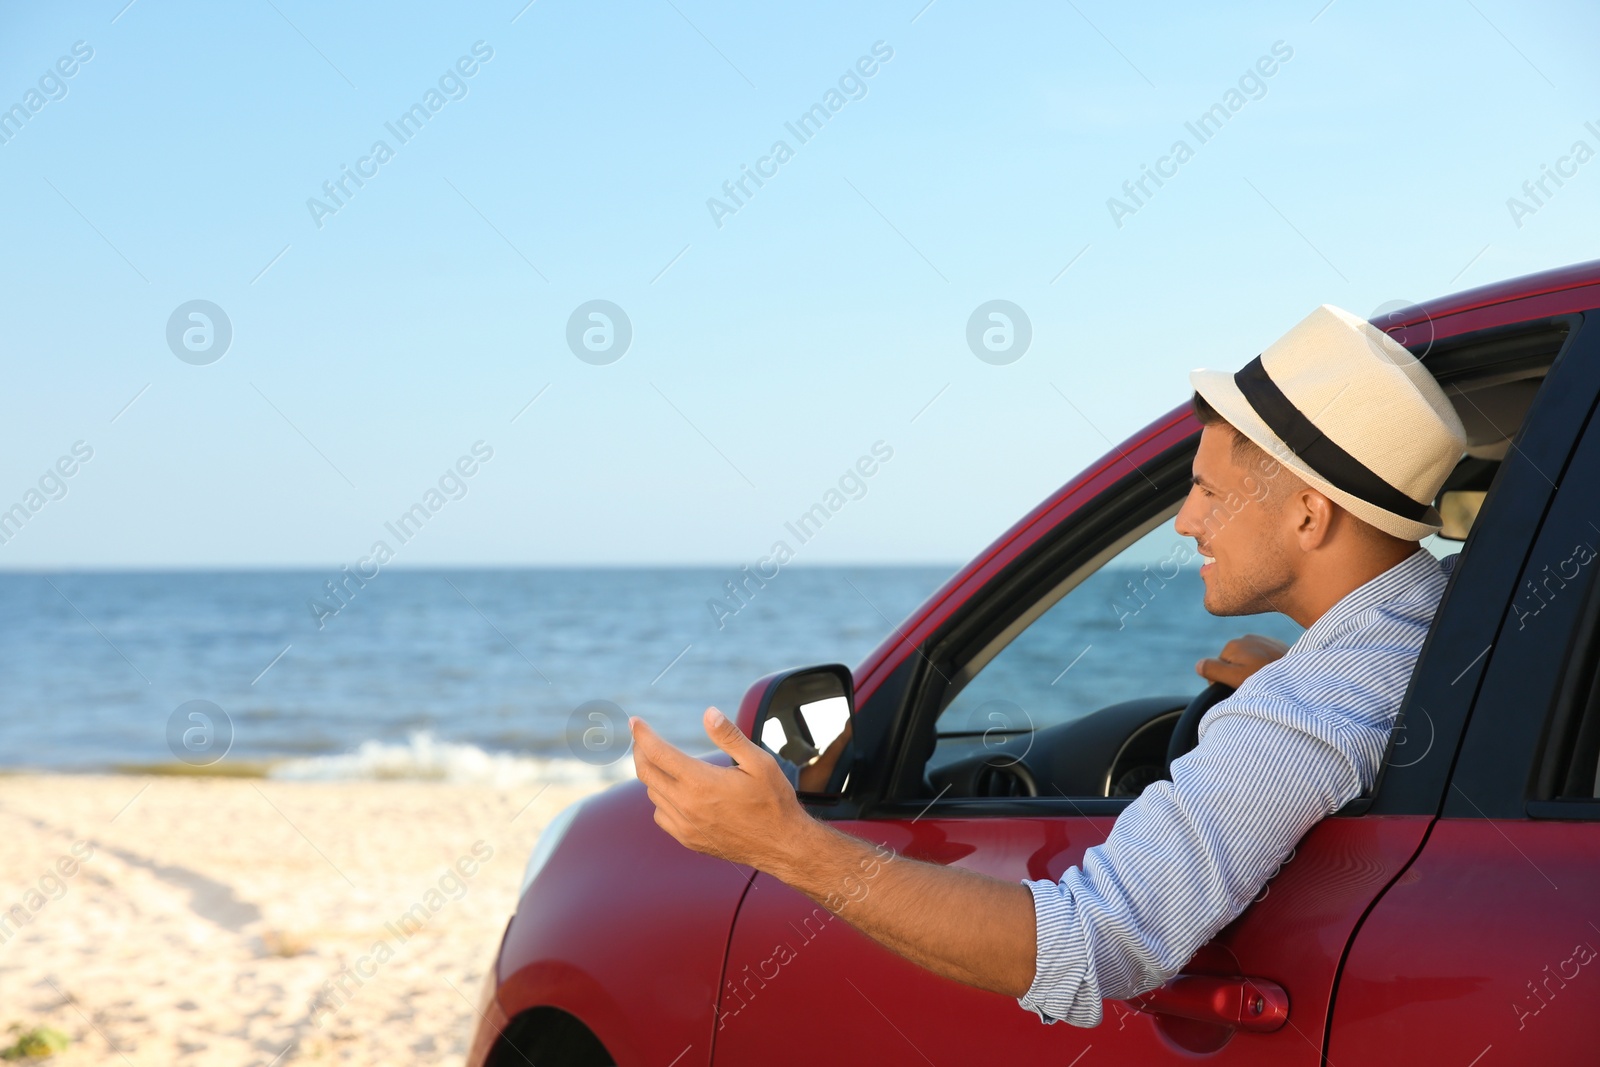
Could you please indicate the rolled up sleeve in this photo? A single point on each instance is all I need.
(1064, 985)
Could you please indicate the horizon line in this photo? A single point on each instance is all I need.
(180, 568)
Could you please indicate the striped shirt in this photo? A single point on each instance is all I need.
(1301, 737)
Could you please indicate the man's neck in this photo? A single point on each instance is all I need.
(1328, 581)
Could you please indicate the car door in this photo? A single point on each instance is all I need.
(1487, 949)
(796, 975)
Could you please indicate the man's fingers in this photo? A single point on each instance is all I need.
(668, 824)
(1216, 670)
(660, 753)
(647, 770)
(1240, 658)
(727, 736)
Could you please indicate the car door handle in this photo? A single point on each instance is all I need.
(1252, 1004)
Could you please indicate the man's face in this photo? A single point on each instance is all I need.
(1239, 523)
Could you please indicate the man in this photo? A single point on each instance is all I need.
(1354, 439)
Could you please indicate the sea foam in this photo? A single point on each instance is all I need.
(425, 758)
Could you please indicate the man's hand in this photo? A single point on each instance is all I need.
(746, 813)
(1240, 658)
(963, 925)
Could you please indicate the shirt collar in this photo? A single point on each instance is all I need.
(1379, 589)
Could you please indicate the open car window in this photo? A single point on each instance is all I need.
(1064, 677)
(1130, 626)
(1134, 627)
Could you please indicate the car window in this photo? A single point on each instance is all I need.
(1134, 627)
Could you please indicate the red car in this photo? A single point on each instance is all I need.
(1451, 917)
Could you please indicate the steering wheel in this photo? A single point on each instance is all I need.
(1186, 731)
(1005, 777)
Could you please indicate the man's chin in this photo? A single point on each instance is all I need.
(1222, 607)
(1234, 610)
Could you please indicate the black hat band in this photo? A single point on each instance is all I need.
(1300, 434)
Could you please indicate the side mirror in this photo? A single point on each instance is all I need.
(803, 715)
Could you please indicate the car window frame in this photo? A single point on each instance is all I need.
(1555, 344)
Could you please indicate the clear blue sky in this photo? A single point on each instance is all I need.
(769, 352)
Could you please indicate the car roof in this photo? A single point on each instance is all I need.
(1576, 276)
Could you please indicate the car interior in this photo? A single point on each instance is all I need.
(1118, 747)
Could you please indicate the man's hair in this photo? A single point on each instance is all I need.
(1245, 451)
(1280, 480)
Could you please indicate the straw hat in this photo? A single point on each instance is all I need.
(1348, 409)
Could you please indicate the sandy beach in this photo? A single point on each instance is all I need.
(199, 921)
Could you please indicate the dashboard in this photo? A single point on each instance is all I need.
(1113, 752)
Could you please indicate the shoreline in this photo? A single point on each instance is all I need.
(421, 757)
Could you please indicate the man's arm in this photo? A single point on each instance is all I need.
(966, 926)
(956, 923)
(1181, 861)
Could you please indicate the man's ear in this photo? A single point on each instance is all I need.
(1314, 517)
